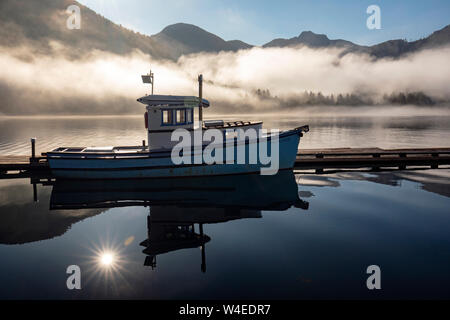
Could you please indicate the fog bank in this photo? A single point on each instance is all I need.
(106, 83)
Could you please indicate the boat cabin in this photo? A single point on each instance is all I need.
(165, 113)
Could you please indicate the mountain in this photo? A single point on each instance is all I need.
(39, 25)
(310, 39)
(182, 38)
(391, 48)
(396, 48)
(36, 24)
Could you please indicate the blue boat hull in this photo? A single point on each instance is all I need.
(160, 165)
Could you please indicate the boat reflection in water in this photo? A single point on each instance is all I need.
(176, 205)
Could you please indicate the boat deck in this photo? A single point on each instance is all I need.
(102, 150)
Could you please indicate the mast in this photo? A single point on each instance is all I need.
(200, 93)
(149, 78)
(153, 79)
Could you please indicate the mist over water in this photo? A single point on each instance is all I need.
(107, 83)
(326, 131)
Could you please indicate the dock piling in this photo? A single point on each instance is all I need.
(35, 197)
(33, 150)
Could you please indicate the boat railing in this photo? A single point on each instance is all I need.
(230, 124)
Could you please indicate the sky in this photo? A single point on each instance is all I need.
(260, 21)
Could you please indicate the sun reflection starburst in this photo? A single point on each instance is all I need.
(107, 259)
(107, 267)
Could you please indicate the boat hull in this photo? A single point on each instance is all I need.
(160, 164)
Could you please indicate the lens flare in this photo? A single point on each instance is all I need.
(107, 266)
(107, 259)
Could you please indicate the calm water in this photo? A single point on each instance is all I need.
(326, 131)
(287, 236)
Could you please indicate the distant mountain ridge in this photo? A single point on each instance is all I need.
(36, 24)
(183, 38)
(309, 39)
(391, 48)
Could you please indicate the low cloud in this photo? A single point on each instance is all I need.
(106, 83)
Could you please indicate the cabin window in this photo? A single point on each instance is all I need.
(189, 116)
(166, 117)
(177, 117)
(180, 116)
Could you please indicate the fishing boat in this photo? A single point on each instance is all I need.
(182, 144)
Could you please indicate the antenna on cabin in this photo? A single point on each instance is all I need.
(200, 93)
(149, 78)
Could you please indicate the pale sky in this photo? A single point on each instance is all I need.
(258, 21)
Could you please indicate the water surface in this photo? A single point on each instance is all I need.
(259, 242)
(326, 131)
(300, 236)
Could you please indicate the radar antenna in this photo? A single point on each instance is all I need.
(149, 78)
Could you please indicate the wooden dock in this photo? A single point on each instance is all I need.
(308, 159)
(22, 166)
(374, 158)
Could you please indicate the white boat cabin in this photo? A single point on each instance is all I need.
(166, 113)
